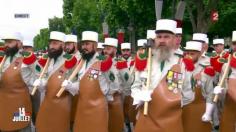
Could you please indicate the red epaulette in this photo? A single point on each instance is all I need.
(131, 63)
(2, 54)
(233, 60)
(213, 60)
(2, 48)
(121, 64)
(218, 64)
(209, 70)
(189, 64)
(140, 61)
(70, 61)
(42, 60)
(225, 55)
(106, 63)
(29, 58)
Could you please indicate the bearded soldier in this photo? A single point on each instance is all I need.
(201, 37)
(227, 94)
(217, 60)
(55, 54)
(167, 76)
(28, 46)
(100, 48)
(71, 42)
(71, 45)
(129, 111)
(17, 76)
(126, 53)
(219, 47)
(218, 57)
(119, 76)
(141, 43)
(179, 33)
(197, 98)
(92, 87)
(58, 108)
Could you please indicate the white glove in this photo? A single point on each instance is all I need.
(218, 90)
(207, 116)
(135, 95)
(145, 95)
(73, 88)
(40, 84)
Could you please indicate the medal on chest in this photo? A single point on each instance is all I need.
(174, 81)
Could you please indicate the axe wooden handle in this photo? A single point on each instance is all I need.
(225, 74)
(41, 75)
(72, 76)
(132, 70)
(3, 61)
(145, 111)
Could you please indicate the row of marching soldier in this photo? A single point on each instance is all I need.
(163, 87)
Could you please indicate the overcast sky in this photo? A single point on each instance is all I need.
(39, 11)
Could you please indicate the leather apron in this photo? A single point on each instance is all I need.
(164, 110)
(14, 94)
(92, 109)
(73, 108)
(54, 113)
(192, 113)
(130, 110)
(116, 114)
(228, 119)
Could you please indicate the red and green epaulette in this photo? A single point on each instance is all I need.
(2, 54)
(140, 61)
(42, 60)
(29, 58)
(189, 64)
(213, 59)
(106, 62)
(121, 63)
(131, 63)
(214, 54)
(2, 48)
(70, 61)
(233, 60)
(209, 70)
(225, 54)
(218, 64)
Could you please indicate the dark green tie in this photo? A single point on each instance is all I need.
(11, 59)
(162, 65)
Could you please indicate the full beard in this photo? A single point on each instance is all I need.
(126, 56)
(163, 53)
(54, 54)
(70, 51)
(87, 56)
(11, 51)
(112, 55)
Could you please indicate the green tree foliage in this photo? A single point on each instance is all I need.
(41, 40)
(68, 13)
(131, 15)
(137, 16)
(86, 16)
(226, 23)
(57, 24)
